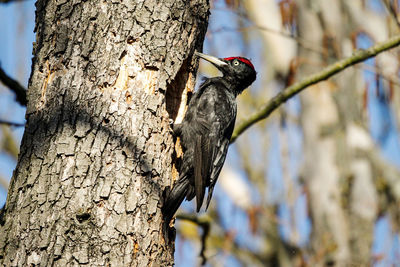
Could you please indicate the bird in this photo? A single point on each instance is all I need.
(206, 130)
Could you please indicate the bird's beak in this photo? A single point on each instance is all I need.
(214, 60)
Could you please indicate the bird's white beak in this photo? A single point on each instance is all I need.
(214, 60)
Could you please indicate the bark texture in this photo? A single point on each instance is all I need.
(97, 149)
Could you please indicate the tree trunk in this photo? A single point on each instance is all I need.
(337, 172)
(97, 151)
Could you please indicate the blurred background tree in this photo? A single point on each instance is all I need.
(318, 182)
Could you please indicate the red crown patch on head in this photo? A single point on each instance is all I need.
(244, 60)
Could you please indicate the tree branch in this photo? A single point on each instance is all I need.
(357, 57)
(10, 1)
(10, 123)
(18, 89)
(204, 223)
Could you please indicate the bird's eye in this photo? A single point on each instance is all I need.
(236, 62)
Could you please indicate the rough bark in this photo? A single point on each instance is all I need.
(97, 150)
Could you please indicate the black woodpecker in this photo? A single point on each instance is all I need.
(206, 130)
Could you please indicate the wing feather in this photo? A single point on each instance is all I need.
(219, 160)
(199, 182)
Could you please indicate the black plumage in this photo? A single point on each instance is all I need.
(206, 130)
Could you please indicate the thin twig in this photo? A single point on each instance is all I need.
(10, 123)
(300, 41)
(12, 84)
(10, 1)
(205, 225)
(357, 57)
(303, 43)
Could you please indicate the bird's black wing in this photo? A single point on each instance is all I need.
(214, 116)
(203, 146)
(219, 159)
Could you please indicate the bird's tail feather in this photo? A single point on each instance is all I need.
(175, 198)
